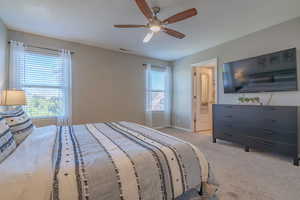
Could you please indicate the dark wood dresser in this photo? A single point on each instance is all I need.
(271, 128)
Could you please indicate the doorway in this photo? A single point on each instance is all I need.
(204, 95)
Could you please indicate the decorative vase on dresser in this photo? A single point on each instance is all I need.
(271, 128)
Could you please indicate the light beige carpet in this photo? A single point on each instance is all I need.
(246, 176)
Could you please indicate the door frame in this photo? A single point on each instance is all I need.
(202, 64)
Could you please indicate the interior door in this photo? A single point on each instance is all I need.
(203, 98)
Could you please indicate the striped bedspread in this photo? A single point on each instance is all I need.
(112, 161)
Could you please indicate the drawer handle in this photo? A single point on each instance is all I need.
(228, 126)
(228, 134)
(270, 108)
(265, 142)
(269, 132)
(271, 120)
(268, 143)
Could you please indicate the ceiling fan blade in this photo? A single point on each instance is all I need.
(148, 37)
(144, 7)
(129, 26)
(181, 16)
(174, 33)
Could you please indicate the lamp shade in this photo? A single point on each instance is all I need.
(12, 98)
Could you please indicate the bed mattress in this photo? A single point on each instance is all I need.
(107, 161)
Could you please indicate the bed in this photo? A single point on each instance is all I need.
(107, 161)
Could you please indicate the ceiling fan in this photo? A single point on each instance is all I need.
(155, 25)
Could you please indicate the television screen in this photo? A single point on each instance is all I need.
(266, 73)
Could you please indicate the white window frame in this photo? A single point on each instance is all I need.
(161, 70)
(62, 88)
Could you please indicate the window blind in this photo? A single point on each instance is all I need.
(43, 81)
(157, 88)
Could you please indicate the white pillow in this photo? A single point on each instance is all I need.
(19, 123)
(7, 142)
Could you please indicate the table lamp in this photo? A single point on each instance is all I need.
(12, 97)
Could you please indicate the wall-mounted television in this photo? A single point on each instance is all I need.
(266, 73)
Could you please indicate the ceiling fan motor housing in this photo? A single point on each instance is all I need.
(156, 10)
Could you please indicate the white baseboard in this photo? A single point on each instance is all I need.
(183, 129)
(159, 127)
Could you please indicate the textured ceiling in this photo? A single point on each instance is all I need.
(91, 22)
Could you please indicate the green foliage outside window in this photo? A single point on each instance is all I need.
(40, 106)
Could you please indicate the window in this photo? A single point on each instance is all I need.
(158, 81)
(158, 96)
(42, 79)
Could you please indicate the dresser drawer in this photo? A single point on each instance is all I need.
(284, 118)
(274, 135)
(258, 143)
(229, 135)
(282, 136)
(236, 114)
(278, 109)
(229, 126)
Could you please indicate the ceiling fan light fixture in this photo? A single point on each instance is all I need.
(148, 37)
(155, 28)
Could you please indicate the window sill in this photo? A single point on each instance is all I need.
(41, 118)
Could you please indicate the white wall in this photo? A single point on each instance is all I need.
(3, 55)
(107, 85)
(279, 37)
